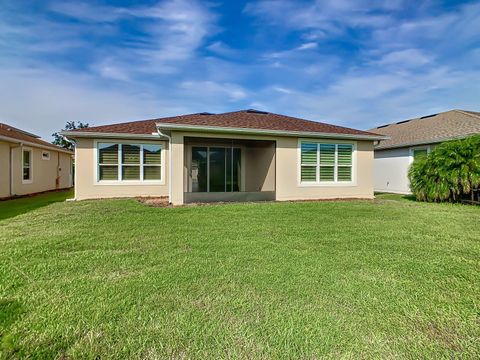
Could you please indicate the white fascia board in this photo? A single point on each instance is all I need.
(217, 129)
(104, 135)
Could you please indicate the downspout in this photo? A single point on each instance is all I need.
(10, 168)
(57, 179)
(73, 169)
(169, 163)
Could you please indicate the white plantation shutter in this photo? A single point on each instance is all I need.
(108, 161)
(309, 160)
(152, 162)
(325, 162)
(344, 171)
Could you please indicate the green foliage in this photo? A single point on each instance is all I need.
(449, 173)
(60, 140)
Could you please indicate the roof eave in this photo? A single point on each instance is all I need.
(33, 144)
(107, 135)
(423, 142)
(247, 131)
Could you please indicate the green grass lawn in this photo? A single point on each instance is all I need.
(391, 278)
(25, 204)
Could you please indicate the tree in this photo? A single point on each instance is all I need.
(449, 173)
(61, 141)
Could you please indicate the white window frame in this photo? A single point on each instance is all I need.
(30, 180)
(120, 181)
(319, 183)
(424, 147)
(45, 157)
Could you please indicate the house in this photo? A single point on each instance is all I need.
(413, 138)
(30, 165)
(245, 155)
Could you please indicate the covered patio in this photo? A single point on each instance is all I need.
(229, 170)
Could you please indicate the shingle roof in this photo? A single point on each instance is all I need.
(26, 137)
(429, 129)
(244, 119)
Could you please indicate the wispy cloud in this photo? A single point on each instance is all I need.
(322, 17)
(211, 88)
(220, 48)
(405, 58)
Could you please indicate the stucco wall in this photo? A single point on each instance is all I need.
(86, 186)
(280, 172)
(391, 170)
(289, 188)
(4, 169)
(260, 168)
(44, 172)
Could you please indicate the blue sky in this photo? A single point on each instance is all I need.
(352, 63)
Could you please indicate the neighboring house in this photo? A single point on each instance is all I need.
(236, 156)
(30, 165)
(416, 137)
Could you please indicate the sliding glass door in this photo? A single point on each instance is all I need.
(199, 169)
(215, 169)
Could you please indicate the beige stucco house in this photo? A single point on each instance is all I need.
(30, 165)
(236, 156)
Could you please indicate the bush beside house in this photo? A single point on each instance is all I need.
(451, 172)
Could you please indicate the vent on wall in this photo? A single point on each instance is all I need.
(205, 113)
(403, 121)
(382, 126)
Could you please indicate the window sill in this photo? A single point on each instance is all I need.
(130, 183)
(328, 184)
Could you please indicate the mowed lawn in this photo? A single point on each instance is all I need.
(391, 278)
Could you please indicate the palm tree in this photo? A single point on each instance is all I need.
(449, 172)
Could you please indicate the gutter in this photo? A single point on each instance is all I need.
(160, 133)
(218, 129)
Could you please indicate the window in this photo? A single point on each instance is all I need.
(27, 165)
(420, 154)
(129, 162)
(45, 155)
(326, 162)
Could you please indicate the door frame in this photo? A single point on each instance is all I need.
(188, 165)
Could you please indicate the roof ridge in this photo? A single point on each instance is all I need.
(399, 122)
(466, 112)
(159, 119)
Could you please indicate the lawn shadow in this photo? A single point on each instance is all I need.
(394, 196)
(17, 206)
(409, 197)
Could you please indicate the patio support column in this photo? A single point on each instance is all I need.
(177, 168)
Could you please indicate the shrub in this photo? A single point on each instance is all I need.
(449, 173)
